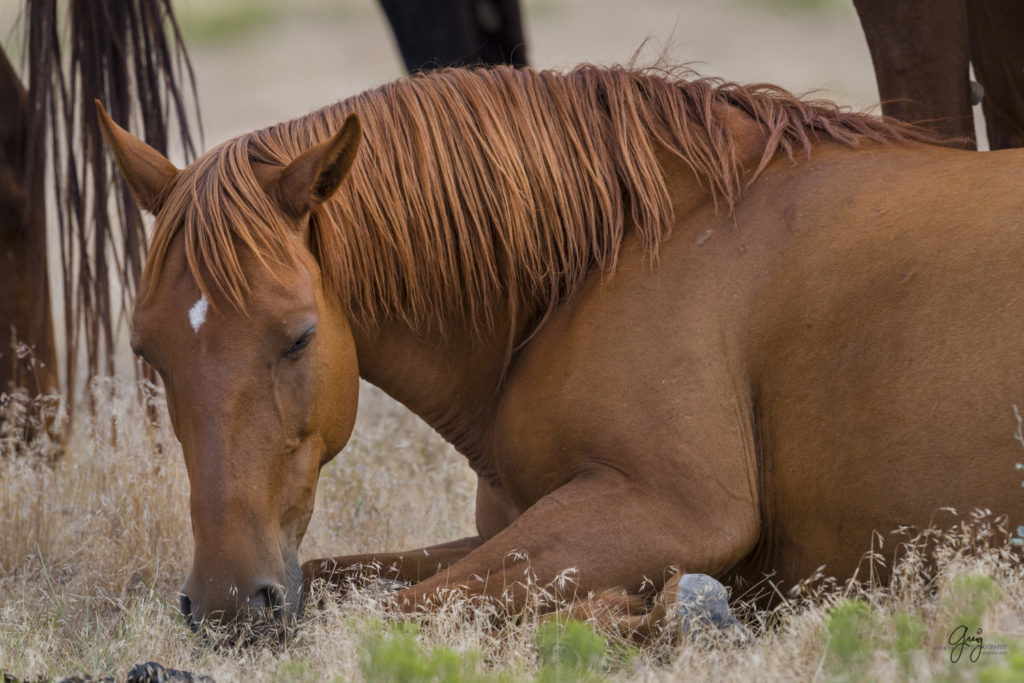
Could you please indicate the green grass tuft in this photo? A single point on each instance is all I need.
(851, 629)
(570, 651)
(395, 655)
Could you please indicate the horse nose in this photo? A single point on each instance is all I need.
(264, 604)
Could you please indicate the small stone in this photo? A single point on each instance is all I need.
(385, 586)
(702, 604)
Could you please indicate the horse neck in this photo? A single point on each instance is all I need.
(450, 379)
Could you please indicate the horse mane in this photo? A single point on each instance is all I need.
(479, 191)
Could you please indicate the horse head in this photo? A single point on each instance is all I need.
(261, 379)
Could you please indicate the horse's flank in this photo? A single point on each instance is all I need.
(477, 190)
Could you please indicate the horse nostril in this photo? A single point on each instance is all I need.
(270, 598)
(185, 606)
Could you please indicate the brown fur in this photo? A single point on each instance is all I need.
(25, 308)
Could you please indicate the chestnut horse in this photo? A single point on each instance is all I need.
(669, 321)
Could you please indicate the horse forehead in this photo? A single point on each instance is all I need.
(197, 313)
(181, 316)
(270, 294)
(170, 307)
(279, 288)
(176, 306)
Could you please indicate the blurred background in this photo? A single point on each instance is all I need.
(261, 61)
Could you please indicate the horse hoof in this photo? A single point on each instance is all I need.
(701, 606)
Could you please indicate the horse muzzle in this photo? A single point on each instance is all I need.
(265, 609)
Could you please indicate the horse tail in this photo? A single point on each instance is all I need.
(128, 54)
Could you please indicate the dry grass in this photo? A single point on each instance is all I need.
(95, 548)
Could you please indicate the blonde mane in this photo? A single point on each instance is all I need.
(477, 191)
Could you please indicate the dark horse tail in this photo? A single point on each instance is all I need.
(128, 54)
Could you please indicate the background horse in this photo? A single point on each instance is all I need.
(25, 308)
(433, 33)
(129, 53)
(921, 53)
(558, 272)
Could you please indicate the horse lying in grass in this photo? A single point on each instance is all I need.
(671, 322)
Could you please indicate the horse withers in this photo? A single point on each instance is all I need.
(673, 323)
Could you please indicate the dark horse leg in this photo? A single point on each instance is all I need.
(436, 33)
(997, 52)
(921, 56)
(25, 299)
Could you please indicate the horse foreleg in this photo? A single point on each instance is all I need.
(594, 535)
(411, 566)
(688, 605)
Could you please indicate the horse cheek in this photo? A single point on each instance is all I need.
(299, 493)
(337, 396)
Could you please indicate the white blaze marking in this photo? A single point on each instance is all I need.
(197, 314)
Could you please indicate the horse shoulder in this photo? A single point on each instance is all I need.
(636, 381)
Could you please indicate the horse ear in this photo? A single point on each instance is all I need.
(148, 172)
(313, 176)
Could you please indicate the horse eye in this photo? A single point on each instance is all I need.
(301, 343)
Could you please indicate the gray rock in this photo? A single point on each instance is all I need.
(385, 586)
(701, 606)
